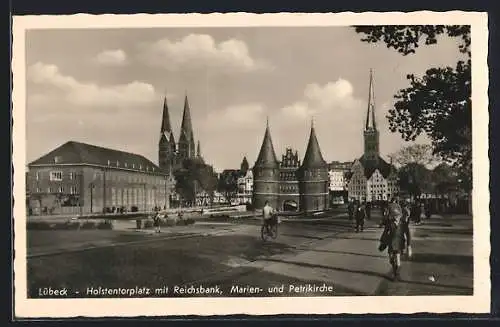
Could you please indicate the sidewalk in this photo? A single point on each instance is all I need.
(349, 260)
(441, 263)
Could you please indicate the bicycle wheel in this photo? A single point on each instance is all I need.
(263, 233)
(274, 231)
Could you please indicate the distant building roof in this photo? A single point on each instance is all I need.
(73, 152)
(384, 167)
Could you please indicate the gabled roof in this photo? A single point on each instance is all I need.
(267, 156)
(73, 152)
(384, 167)
(313, 157)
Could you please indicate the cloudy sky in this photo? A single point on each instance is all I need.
(106, 87)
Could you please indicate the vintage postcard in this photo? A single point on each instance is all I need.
(190, 164)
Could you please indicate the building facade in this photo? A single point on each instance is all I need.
(80, 178)
(245, 187)
(372, 178)
(289, 185)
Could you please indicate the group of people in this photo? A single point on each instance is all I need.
(359, 211)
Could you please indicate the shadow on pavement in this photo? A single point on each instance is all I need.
(309, 265)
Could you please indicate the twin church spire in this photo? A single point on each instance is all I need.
(170, 152)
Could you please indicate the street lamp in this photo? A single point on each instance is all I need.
(91, 186)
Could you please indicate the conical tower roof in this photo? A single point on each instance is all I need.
(186, 125)
(267, 156)
(313, 157)
(371, 105)
(165, 122)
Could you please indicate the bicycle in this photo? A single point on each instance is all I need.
(270, 229)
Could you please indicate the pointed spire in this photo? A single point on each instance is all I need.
(313, 157)
(371, 104)
(198, 150)
(186, 126)
(267, 156)
(165, 122)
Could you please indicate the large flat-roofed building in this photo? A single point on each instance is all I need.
(82, 178)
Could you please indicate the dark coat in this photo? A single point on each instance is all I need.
(393, 238)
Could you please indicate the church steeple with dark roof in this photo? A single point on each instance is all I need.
(370, 133)
(186, 139)
(166, 146)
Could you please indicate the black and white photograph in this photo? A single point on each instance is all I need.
(251, 164)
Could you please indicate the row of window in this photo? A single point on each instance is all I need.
(57, 176)
(133, 196)
(133, 165)
(289, 189)
(60, 189)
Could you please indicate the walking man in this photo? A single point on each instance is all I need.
(360, 217)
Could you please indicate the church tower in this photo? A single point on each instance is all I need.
(313, 177)
(186, 147)
(166, 146)
(266, 174)
(371, 134)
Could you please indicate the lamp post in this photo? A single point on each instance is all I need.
(91, 186)
(154, 196)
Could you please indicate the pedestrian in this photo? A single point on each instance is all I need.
(360, 217)
(368, 208)
(417, 212)
(392, 238)
(427, 209)
(157, 222)
(350, 209)
(405, 221)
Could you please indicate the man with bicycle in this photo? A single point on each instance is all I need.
(268, 216)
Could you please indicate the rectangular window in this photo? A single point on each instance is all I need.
(37, 175)
(38, 190)
(56, 176)
(72, 190)
(49, 190)
(60, 189)
(71, 175)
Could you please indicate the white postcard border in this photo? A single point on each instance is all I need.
(477, 303)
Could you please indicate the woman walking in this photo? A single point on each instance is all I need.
(393, 237)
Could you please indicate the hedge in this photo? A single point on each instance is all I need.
(68, 225)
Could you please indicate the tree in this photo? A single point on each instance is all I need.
(445, 179)
(438, 103)
(421, 154)
(244, 165)
(415, 178)
(194, 173)
(228, 183)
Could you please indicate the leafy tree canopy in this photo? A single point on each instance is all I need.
(438, 103)
(421, 154)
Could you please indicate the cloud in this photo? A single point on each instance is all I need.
(332, 98)
(243, 116)
(88, 94)
(112, 58)
(197, 51)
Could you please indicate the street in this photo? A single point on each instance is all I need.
(315, 257)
